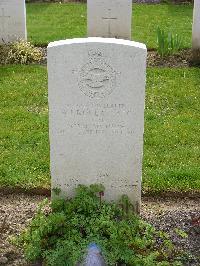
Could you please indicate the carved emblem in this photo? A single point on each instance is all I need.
(97, 79)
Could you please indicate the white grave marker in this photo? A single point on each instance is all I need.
(12, 20)
(109, 18)
(196, 25)
(96, 115)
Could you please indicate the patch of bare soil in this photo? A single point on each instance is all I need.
(169, 214)
(16, 211)
(180, 59)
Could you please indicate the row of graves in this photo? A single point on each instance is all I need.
(106, 18)
(96, 98)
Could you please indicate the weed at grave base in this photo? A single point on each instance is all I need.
(61, 231)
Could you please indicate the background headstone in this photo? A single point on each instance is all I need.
(12, 20)
(196, 25)
(196, 33)
(109, 18)
(96, 115)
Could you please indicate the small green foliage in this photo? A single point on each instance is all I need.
(56, 191)
(168, 43)
(61, 236)
(165, 1)
(181, 233)
(126, 205)
(97, 188)
(166, 248)
(19, 52)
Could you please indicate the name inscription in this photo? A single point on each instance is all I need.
(97, 119)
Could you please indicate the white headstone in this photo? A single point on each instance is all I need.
(109, 18)
(96, 115)
(196, 25)
(12, 20)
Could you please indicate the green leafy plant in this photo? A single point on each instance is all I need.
(56, 191)
(181, 233)
(61, 231)
(168, 43)
(19, 52)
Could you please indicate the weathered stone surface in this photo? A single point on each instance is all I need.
(12, 20)
(96, 115)
(109, 18)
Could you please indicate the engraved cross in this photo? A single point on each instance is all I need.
(3, 17)
(109, 18)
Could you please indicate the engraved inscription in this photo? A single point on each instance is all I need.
(93, 119)
(97, 79)
(118, 183)
(109, 19)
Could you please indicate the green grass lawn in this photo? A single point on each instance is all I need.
(50, 22)
(171, 152)
(24, 127)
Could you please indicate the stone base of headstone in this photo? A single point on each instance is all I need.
(196, 56)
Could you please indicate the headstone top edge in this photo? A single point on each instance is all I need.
(97, 40)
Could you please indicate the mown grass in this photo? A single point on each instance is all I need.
(171, 146)
(50, 22)
(24, 127)
(172, 121)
